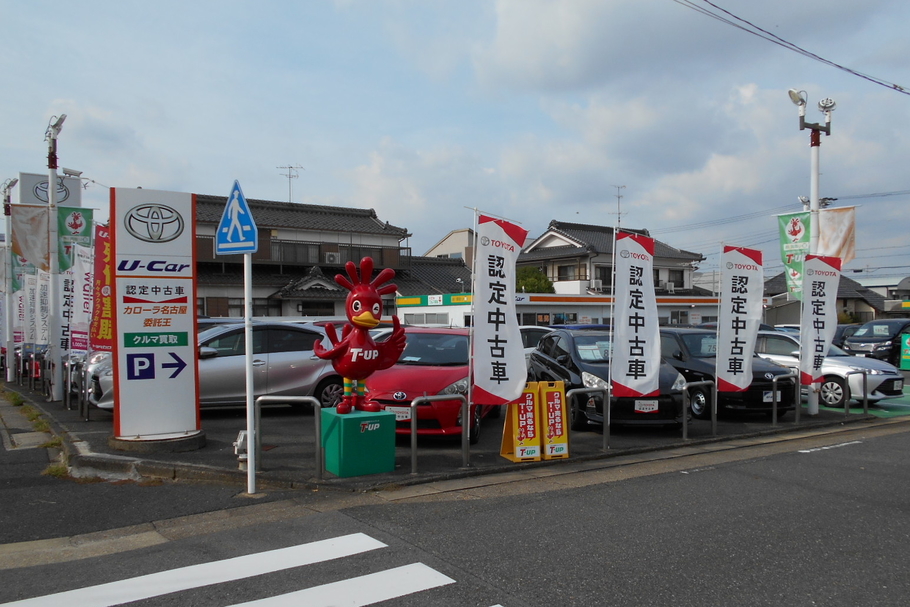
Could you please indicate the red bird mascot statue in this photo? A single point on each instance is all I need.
(356, 356)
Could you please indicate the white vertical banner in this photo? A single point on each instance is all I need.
(499, 368)
(742, 286)
(156, 384)
(819, 319)
(837, 233)
(44, 308)
(635, 364)
(83, 285)
(31, 312)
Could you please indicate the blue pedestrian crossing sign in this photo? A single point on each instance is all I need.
(237, 230)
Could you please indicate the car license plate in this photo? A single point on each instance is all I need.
(768, 396)
(898, 384)
(402, 414)
(646, 406)
(859, 354)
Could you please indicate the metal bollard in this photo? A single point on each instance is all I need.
(465, 426)
(317, 423)
(865, 374)
(774, 392)
(687, 404)
(605, 394)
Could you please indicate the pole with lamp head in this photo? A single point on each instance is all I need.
(8, 185)
(825, 106)
(53, 349)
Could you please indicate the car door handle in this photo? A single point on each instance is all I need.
(258, 363)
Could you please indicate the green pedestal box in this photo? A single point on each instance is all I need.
(905, 352)
(358, 443)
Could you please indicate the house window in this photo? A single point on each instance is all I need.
(604, 274)
(677, 278)
(565, 273)
(430, 318)
(261, 307)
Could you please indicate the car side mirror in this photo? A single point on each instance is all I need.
(678, 355)
(795, 353)
(207, 352)
(562, 359)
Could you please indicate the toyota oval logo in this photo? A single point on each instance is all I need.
(769, 376)
(400, 396)
(154, 223)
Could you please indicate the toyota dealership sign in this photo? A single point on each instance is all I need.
(155, 377)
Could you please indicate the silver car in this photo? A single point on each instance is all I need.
(884, 380)
(283, 365)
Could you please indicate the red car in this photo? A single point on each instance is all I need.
(435, 361)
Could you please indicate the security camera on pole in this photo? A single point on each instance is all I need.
(825, 106)
(53, 349)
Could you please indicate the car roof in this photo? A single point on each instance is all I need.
(688, 330)
(442, 330)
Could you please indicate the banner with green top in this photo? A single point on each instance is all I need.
(794, 246)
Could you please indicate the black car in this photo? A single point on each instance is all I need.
(693, 352)
(842, 332)
(581, 359)
(879, 339)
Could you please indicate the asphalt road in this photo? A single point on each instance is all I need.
(821, 520)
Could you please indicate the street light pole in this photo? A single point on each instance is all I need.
(54, 352)
(8, 286)
(825, 106)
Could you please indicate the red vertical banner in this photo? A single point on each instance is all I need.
(742, 287)
(101, 329)
(819, 319)
(498, 360)
(635, 360)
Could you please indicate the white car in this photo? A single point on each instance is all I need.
(884, 379)
(530, 335)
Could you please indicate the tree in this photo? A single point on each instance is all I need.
(531, 280)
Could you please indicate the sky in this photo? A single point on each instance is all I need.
(531, 110)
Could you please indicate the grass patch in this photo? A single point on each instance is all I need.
(57, 471)
(54, 443)
(30, 413)
(14, 398)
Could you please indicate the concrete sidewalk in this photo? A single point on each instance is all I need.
(288, 447)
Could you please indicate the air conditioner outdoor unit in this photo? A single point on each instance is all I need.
(333, 258)
(671, 288)
(597, 285)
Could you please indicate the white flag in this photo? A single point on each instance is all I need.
(635, 364)
(742, 285)
(837, 233)
(499, 367)
(819, 322)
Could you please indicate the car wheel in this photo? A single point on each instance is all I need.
(700, 403)
(577, 418)
(329, 392)
(834, 392)
(475, 426)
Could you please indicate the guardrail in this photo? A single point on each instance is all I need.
(797, 396)
(256, 443)
(606, 392)
(865, 374)
(687, 404)
(466, 424)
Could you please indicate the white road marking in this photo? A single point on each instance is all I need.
(205, 574)
(363, 590)
(855, 442)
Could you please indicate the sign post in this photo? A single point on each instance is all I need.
(237, 233)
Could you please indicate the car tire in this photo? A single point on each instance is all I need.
(329, 392)
(476, 418)
(833, 392)
(700, 404)
(577, 418)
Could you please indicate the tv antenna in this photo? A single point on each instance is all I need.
(291, 174)
(619, 189)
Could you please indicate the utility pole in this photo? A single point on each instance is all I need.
(291, 174)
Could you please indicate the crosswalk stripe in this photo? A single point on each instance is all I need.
(205, 574)
(362, 590)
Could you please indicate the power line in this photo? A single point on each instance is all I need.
(766, 35)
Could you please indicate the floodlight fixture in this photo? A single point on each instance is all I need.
(797, 97)
(53, 129)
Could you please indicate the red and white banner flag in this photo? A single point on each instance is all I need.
(635, 364)
(742, 285)
(499, 368)
(819, 322)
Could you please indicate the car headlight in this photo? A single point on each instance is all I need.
(885, 345)
(97, 357)
(459, 387)
(679, 383)
(868, 371)
(592, 381)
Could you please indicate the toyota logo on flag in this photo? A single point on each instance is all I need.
(154, 223)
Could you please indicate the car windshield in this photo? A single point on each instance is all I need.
(701, 345)
(435, 349)
(877, 329)
(593, 348)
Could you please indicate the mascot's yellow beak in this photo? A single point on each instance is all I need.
(366, 320)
